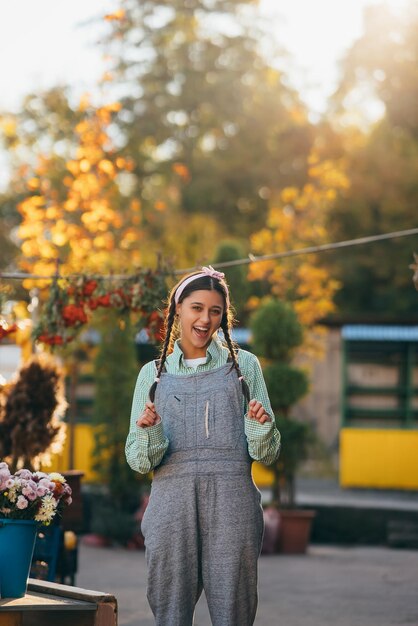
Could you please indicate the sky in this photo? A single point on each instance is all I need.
(51, 42)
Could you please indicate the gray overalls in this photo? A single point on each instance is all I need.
(203, 526)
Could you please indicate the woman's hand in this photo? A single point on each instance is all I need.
(256, 411)
(149, 416)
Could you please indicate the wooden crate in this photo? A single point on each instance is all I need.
(49, 604)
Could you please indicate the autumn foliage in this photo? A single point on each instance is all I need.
(71, 303)
(75, 210)
(297, 219)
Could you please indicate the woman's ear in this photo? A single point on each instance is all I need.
(178, 307)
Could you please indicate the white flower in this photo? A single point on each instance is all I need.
(56, 477)
(21, 503)
(12, 494)
(47, 510)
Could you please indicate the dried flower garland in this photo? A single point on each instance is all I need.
(72, 301)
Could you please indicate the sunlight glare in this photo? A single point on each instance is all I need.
(317, 35)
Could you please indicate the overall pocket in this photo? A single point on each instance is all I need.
(173, 415)
(219, 422)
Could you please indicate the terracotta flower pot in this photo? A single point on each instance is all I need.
(295, 530)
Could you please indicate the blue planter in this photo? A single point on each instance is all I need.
(17, 540)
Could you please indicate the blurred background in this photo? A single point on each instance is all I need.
(167, 135)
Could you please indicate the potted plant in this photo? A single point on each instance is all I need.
(277, 333)
(27, 500)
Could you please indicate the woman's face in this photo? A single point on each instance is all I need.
(200, 315)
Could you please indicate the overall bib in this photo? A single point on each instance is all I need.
(203, 526)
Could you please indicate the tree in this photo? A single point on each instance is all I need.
(75, 211)
(30, 411)
(382, 63)
(297, 219)
(277, 332)
(236, 277)
(115, 374)
(382, 199)
(45, 123)
(198, 95)
(381, 163)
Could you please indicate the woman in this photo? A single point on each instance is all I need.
(200, 415)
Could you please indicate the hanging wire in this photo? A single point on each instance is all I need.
(251, 258)
(310, 250)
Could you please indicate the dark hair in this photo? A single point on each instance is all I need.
(207, 283)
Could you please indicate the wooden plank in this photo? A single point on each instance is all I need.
(66, 591)
(49, 604)
(38, 601)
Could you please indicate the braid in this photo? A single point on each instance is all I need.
(232, 351)
(168, 328)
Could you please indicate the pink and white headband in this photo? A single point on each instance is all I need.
(206, 271)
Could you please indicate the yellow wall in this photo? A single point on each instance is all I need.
(386, 459)
(262, 475)
(83, 446)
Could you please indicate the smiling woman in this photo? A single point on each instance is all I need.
(200, 416)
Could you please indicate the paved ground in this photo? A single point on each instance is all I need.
(330, 586)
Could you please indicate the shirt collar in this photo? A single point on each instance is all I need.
(213, 352)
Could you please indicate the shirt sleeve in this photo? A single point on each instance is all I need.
(263, 439)
(145, 447)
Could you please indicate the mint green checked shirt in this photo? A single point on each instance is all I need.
(145, 447)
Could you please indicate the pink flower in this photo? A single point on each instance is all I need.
(24, 473)
(30, 495)
(48, 484)
(30, 490)
(4, 476)
(22, 503)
